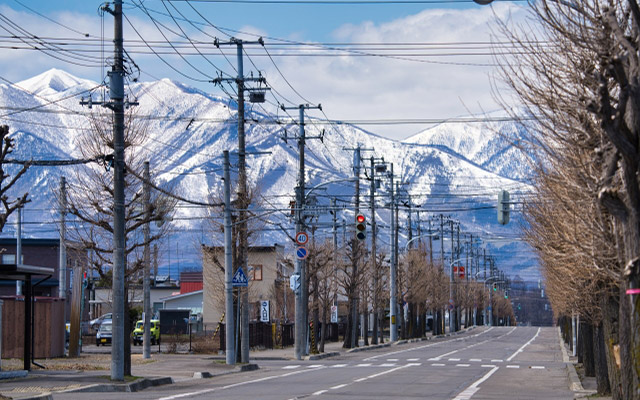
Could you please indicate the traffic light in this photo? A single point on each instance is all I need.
(495, 287)
(503, 207)
(361, 227)
(506, 295)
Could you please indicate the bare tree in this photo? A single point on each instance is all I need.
(584, 93)
(7, 181)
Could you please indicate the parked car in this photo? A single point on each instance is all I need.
(95, 323)
(104, 333)
(138, 332)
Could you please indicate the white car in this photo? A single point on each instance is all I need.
(95, 323)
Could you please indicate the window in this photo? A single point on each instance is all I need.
(8, 258)
(255, 272)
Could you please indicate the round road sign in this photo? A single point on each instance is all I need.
(302, 238)
(302, 253)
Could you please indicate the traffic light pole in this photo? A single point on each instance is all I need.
(393, 328)
(230, 351)
(300, 327)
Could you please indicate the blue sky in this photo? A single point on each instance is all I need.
(435, 82)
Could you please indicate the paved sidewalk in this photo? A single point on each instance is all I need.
(160, 369)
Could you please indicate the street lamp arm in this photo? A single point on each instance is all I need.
(328, 183)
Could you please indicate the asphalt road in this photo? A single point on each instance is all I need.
(494, 363)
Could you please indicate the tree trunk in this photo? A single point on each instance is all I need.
(602, 374)
(625, 341)
(127, 334)
(323, 330)
(610, 315)
(588, 356)
(347, 332)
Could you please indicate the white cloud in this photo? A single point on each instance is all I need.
(350, 87)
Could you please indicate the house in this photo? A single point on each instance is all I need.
(268, 274)
(43, 252)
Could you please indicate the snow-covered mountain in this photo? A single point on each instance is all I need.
(452, 169)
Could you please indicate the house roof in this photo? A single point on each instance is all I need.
(178, 296)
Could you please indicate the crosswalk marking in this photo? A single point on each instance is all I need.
(291, 367)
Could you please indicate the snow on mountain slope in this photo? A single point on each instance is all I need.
(453, 169)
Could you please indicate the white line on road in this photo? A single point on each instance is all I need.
(314, 366)
(496, 360)
(319, 392)
(488, 366)
(474, 387)
(537, 367)
(382, 373)
(521, 349)
(392, 359)
(338, 366)
(291, 367)
(364, 365)
(475, 360)
(463, 365)
(266, 378)
(513, 366)
(413, 359)
(339, 386)
(454, 359)
(438, 365)
(388, 365)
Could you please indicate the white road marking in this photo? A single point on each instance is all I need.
(339, 386)
(438, 365)
(521, 349)
(414, 364)
(388, 365)
(413, 359)
(392, 359)
(463, 365)
(338, 366)
(314, 366)
(454, 359)
(364, 365)
(513, 366)
(382, 373)
(253, 381)
(474, 387)
(488, 366)
(537, 367)
(475, 360)
(319, 392)
(291, 367)
(427, 345)
(434, 359)
(496, 360)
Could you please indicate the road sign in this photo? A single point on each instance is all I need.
(239, 278)
(294, 281)
(302, 253)
(302, 238)
(264, 311)
(451, 304)
(334, 314)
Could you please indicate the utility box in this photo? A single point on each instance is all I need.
(174, 322)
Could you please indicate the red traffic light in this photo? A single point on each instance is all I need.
(361, 227)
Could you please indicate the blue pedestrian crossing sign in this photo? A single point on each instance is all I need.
(239, 278)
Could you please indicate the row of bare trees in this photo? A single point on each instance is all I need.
(578, 75)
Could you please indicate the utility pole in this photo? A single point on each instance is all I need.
(243, 201)
(452, 308)
(117, 105)
(19, 250)
(300, 327)
(228, 267)
(374, 269)
(146, 287)
(355, 248)
(62, 261)
(394, 270)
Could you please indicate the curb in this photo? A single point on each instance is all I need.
(320, 356)
(370, 347)
(13, 374)
(135, 386)
(574, 380)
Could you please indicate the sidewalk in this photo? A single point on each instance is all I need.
(91, 372)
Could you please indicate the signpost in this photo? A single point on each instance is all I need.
(334, 314)
(302, 238)
(294, 282)
(302, 253)
(264, 311)
(239, 279)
